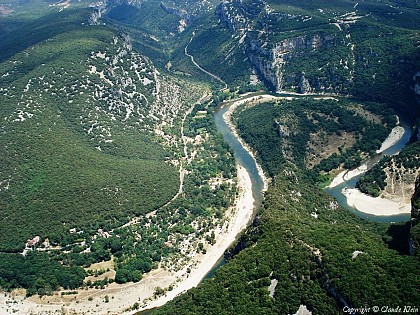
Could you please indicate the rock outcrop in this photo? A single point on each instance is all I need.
(304, 86)
(269, 56)
(236, 17)
(270, 59)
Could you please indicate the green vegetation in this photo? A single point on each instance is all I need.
(150, 17)
(81, 159)
(228, 61)
(415, 215)
(49, 159)
(192, 215)
(292, 123)
(157, 32)
(373, 182)
(38, 273)
(384, 58)
(320, 254)
(30, 32)
(279, 249)
(93, 152)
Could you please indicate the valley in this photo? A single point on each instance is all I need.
(122, 95)
(146, 143)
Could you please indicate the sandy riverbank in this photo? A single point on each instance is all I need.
(395, 135)
(364, 203)
(122, 297)
(376, 206)
(240, 217)
(227, 118)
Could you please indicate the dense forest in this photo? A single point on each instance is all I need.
(110, 152)
(313, 251)
(82, 158)
(415, 215)
(53, 156)
(324, 123)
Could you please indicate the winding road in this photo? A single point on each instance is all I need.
(199, 67)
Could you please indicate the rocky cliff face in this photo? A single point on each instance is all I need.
(304, 86)
(341, 50)
(268, 67)
(269, 56)
(270, 59)
(415, 218)
(400, 180)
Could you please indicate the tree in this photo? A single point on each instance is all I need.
(136, 276)
(121, 276)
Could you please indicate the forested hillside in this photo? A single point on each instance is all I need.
(99, 152)
(61, 142)
(303, 249)
(415, 211)
(112, 169)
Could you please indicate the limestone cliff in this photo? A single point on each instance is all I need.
(341, 50)
(270, 60)
(304, 86)
(269, 55)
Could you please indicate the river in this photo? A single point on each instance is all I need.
(244, 158)
(337, 191)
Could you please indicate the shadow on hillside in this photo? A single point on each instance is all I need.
(399, 234)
